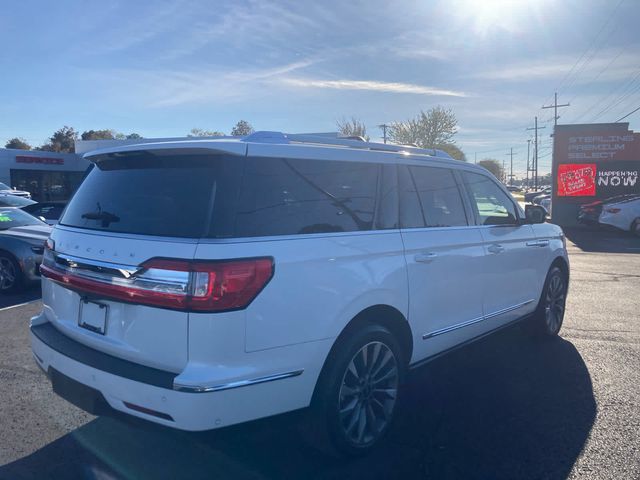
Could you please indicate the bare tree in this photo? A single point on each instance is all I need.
(352, 128)
(199, 132)
(428, 130)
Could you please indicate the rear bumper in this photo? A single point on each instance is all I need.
(157, 396)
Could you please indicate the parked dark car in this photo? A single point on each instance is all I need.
(50, 211)
(22, 238)
(528, 197)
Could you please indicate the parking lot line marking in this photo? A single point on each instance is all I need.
(19, 305)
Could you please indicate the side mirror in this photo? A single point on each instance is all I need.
(535, 214)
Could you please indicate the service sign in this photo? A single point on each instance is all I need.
(593, 164)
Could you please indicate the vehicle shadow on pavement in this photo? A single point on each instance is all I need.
(505, 407)
(27, 295)
(603, 240)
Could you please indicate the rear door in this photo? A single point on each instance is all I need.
(512, 251)
(131, 208)
(444, 256)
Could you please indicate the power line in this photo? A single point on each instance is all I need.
(631, 112)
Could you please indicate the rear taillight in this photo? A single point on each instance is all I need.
(612, 210)
(201, 286)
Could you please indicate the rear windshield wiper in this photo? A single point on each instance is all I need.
(104, 216)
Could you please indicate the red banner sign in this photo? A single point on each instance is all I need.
(40, 160)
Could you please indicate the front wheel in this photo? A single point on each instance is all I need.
(635, 227)
(358, 390)
(549, 315)
(10, 274)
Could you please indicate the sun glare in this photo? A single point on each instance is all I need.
(488, 15)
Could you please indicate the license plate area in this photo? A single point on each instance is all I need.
(93, 316)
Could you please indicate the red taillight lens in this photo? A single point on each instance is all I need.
(202, 286)
(226, 285)
(612, 210)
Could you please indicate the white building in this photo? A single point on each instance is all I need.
(47, 175)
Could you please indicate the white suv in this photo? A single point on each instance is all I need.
(203, 283)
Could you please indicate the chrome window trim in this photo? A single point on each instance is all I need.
(237, 384)
(473, 321)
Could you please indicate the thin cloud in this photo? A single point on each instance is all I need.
(370, 85)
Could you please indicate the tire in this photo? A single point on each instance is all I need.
(11, 278)
(355, 404)
(549, 315)
(635, 227)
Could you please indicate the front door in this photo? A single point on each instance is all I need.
(511, 251)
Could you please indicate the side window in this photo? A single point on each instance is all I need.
(411, 214)
(492, 205)
(291, 196)
(439, 196)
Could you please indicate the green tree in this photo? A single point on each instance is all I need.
(432, 129)
(242, 128)
(453, 150)
(18, 144)
(98, 135)
(62, 140)
(352, 128)
(199, 132)
(493, 166)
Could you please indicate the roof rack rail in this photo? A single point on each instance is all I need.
(334, 138)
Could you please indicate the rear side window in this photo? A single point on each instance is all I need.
(162, 194)
(292, 196)
(492, 205)
(431, 198)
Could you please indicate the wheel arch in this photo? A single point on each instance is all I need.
(384, 315)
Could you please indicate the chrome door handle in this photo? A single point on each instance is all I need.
(496, 248)
(425, 257)
(538, 243)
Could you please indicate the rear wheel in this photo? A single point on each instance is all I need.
(10, 274)
(358, 391)
(549, 315)
(635, 227)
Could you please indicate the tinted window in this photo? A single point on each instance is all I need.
(180, 195)
(290, 196)
(48, 211)
(13, 217)
(439, 202)
(493, 206)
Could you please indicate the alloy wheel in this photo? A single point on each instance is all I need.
(7, 274)
(555, 303)
(368, 393)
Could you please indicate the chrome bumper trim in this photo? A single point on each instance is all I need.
(237, 384)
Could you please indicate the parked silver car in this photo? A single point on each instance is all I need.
(22, 238)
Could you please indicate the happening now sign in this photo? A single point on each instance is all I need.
(593, 162)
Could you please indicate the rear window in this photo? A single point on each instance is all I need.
(13, 217)
(221, 196)
(160, 194)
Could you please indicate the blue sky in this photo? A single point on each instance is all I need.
(161, 68)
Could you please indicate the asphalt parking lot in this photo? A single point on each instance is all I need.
(507, 407)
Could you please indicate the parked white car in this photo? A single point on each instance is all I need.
(7, 190)
(623, 214)
(248, 277)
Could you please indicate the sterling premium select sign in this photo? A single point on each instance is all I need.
(593, 163)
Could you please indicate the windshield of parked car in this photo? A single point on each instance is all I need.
(14, 201)
(14, 217)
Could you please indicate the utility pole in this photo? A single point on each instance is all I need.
(475, 158)
(504, 173)
(555, 107)
(511, 168)
(384, 127)
(528, 167)
(535, 156)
